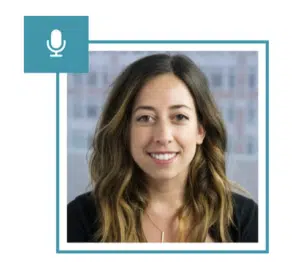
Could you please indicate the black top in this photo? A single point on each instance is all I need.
(81, 214)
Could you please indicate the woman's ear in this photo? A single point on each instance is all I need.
(201, 134)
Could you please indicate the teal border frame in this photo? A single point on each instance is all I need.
(263, 42)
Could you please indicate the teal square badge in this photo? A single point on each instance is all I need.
(56, 44)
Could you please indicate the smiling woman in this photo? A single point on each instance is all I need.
(158, 163)
(164, 130)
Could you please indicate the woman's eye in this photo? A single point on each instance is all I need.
(144, 118)
(181, 117)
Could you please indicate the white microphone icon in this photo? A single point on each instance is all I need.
(56, 44)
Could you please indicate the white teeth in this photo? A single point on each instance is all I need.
(163, 156)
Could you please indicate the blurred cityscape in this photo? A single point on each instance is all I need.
(233, 78)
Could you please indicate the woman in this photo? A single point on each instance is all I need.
(158, 163)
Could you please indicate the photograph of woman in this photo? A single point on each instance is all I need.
(157, 164)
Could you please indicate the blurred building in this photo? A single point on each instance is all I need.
(233, 78)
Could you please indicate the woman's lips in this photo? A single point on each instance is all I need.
(163, 161)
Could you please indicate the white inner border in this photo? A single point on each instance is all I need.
(261, 153)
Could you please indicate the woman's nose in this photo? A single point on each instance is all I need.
(163, 133)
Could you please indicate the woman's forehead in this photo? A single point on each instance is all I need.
(165, 90)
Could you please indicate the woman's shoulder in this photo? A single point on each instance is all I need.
(242, 202)
(85, 200)
(245, 216)
(81, 218)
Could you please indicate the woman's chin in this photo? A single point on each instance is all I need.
(163, 176)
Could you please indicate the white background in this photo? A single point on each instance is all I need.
(27, 112)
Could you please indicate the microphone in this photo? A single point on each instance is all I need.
(56, 45)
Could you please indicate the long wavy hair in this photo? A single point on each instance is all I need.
(119, 189)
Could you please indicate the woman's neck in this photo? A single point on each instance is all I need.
(165, 197)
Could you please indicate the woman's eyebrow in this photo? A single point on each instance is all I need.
(151, 108)
(180, 106)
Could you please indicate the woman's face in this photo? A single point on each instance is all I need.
(164, 128)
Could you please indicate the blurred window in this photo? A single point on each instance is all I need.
(92, 79)
(78, 140)
(92, 111)
(251, 145)
(216, 79)
(252, 79)
(231, 78)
